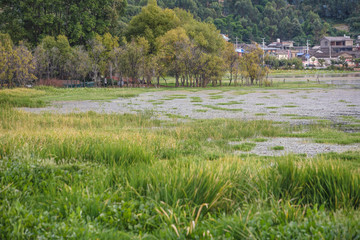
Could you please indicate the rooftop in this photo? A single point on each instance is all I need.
(324, 53)
(226, 38)
(338, 38)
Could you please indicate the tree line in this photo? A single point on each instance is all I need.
(252, 20)
(32, 20)
(246, 20)
(158, 43)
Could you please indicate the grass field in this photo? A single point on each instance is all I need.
(132, 176)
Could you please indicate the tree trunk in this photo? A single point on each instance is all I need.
(148, 80)
(235, 80)
(231, 76)
(121, 84)
(176, 80)
(95, 78)
(110, 73)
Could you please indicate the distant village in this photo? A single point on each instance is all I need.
(331, 51)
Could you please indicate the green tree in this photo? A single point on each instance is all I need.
(98, 61)
(78, 65)
(7, 58)
(151, 23)
(24, 66)
(314, 27)
(251, 65)
(63, 54)
(231, 60)
(16, 63)
(213, 69)
(171, 49)
(132, 59)
(51, 56)
(110, 43)
(205, 36)
(31, 20)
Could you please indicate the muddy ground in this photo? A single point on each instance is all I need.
(338, 105)
(299, 106)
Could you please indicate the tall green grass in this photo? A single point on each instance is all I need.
(114, 176)
(22, 98)
(170, 199)
(77, 148)
(317, 182)
(187, 183)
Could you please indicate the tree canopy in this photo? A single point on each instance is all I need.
(251, 20)
(246, 20)
(31, 20)
(152, 22)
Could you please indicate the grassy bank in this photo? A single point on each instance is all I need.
(112, 176)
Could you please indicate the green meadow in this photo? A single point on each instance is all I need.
(133, 176)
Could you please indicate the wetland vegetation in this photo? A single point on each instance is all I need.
(132, 176)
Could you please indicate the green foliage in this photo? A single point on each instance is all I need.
(331, 9)
(160, 42)
(152, 22)
(22, 98)
(251, 65)
(83, 149)
(354, 23)
(316, 185)
(133, 60)
(278, 148)
(246, 147)
(53, 56)
(206, 36)
(274, 63)
(251, 20)
(172, 48)
(32, 20)
(16, 63)
(248, 20)
(352, 156)
(90, 175)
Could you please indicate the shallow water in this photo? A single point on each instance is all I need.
(344, 83)
(323, 75)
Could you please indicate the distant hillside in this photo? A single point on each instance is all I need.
(245, 20)
(252, 20)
